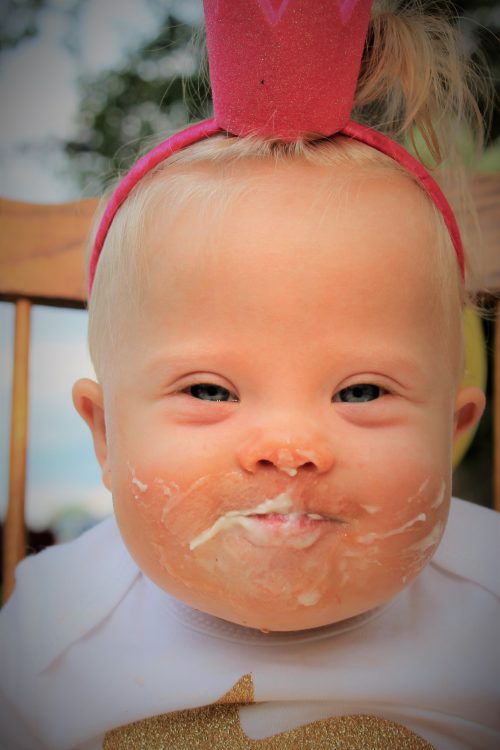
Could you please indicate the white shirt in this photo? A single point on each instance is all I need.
(88, 643)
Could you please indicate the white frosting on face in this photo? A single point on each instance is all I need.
(291, 532)
(428, 541)
(136, 483)
(288, 534)
(369, 538)
(371, 509)
(142, 487)
(419, 491)
(280, 504)
(285, 462)
(309, 598)
(170, 490)
(440, 496)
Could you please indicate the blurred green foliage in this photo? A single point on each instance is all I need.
(162, 86)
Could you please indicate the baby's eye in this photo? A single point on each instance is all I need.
(210, 392)
(359, 393)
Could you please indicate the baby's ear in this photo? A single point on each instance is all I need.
(89, 403)
(469, 406)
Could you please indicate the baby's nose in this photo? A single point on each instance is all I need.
(286, 453)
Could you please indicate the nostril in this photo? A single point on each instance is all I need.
(265, 462)
(266, 454)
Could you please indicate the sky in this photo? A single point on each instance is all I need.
(39, 95)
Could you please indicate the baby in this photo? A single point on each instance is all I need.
(276, 331)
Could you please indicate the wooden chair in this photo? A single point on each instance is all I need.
(41, 262)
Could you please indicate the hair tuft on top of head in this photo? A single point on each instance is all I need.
(418, 84)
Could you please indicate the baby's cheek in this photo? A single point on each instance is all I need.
(139, 502)
(405, 534)
(159, 517)
(403, 476)
(400, 474)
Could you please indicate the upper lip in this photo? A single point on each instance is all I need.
(320, 503)
(281, 504)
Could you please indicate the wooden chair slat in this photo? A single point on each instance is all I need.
(14, 529)
(42, 251)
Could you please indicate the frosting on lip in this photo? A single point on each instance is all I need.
(300, 529)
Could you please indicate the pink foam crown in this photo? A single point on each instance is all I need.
(284, 69)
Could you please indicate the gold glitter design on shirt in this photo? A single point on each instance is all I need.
(217, 727)
(241, 692)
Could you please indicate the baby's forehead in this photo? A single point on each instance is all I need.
(197, 205)
(232, 213)
(217, 191)
(245, 195)
(291, 217)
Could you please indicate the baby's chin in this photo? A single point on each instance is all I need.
(303, 609)
(278, 589)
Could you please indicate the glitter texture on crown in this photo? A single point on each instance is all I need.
(284, 68)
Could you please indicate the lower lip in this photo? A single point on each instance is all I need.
(296, 530)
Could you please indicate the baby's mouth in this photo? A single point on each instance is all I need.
(271, 523)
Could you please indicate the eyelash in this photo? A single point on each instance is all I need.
(210, 387)
(358, 390)
(377, 392)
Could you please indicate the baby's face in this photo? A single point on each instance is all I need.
(280, 419)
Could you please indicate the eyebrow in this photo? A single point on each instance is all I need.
(182, 358)
(386, 364)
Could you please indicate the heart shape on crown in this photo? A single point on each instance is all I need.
(274, 9)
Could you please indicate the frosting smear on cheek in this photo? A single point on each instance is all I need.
(369, 538)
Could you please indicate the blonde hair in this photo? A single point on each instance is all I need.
(416, 86)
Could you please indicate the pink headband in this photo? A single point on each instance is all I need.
(259, 88)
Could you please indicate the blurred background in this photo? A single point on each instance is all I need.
(84, 84)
